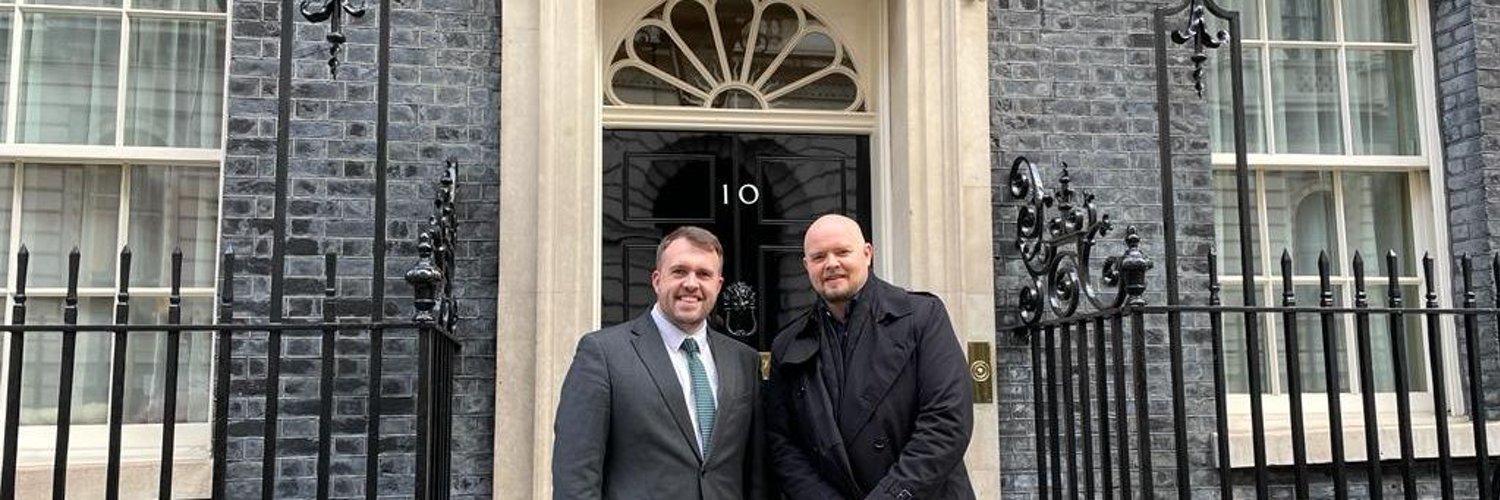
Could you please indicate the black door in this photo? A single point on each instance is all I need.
(757, 192)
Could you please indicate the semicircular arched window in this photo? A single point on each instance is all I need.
(733, 54)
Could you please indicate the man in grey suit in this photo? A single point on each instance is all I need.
(662, 407)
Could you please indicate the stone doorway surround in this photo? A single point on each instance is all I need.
(935, 214)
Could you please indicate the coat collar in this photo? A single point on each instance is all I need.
(886, 303)
(880, 357)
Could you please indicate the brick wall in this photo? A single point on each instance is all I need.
(1466, 46)
(1073, 81)
(444, 103)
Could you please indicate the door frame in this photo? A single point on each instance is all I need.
(931, 176)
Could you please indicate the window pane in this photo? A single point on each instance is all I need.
(1236, 366)
(1411, 341)
(5, 27)
(69, 78)
(183, 5)
(1376, 21)
(176, 83)
(1305, 93)
(835, 92)
(690, 22)
(1310, 340)
(1382, 102)
(43, 360)
(1377, 218)
(1221, 97)
(1300, 19)
(173, 207)
(635, 84)
(7, 192)
(82, 3)
(1249, 17)
(146, 362)
(71, 206)
(1227, 229)
(1300, 217)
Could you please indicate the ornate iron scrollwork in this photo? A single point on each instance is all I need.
(1197, 32)
(737, 300)
(431, 276)
(1056, 250)
(333, 11)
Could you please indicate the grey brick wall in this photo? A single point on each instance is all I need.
(1073, 82)
(444, 103)
(1466, 46)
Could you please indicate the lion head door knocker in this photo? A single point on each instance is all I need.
(736, 311)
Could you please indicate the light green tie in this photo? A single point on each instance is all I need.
(703, 395)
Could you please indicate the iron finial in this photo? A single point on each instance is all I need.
(1196, 31)
(332, 11)
(1134, 264)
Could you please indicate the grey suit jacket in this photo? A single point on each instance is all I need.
(623, 430)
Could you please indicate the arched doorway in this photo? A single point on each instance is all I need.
(720, 69)
(925, 119)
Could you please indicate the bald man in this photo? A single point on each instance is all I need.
(869, 396)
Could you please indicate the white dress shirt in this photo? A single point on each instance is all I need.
(672, 336)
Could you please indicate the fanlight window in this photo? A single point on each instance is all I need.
(733, 54)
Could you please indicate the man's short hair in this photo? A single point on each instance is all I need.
(699, 237)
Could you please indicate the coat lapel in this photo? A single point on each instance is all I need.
(826, 428)
(805, 342)
(653, 353)
(804, 351)
(878, 358)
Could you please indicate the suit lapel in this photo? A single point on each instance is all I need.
(731, 382)
(653, 353)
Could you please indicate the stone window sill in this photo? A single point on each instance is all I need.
(1424, 440)
(140, 461)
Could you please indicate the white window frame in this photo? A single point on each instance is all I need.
(36, 441)
(1427, 198)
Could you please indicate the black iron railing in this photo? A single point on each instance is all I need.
(432, 324)
(1094, 386)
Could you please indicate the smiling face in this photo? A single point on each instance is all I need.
(687, 280)
(837, 258)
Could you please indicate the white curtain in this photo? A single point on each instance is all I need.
(176, 79)
(69, 79)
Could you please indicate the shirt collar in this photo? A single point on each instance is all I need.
(673, 336)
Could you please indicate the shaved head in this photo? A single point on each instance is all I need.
(837, 259)
(834, 224)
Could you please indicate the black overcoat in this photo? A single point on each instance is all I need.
(900, 424)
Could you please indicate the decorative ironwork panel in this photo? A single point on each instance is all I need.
(431, 276)
(1057, 250)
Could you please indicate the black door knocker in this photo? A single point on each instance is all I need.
(737, 303)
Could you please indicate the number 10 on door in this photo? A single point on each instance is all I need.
(748, 194)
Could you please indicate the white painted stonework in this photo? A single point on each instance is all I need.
(926, 70)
